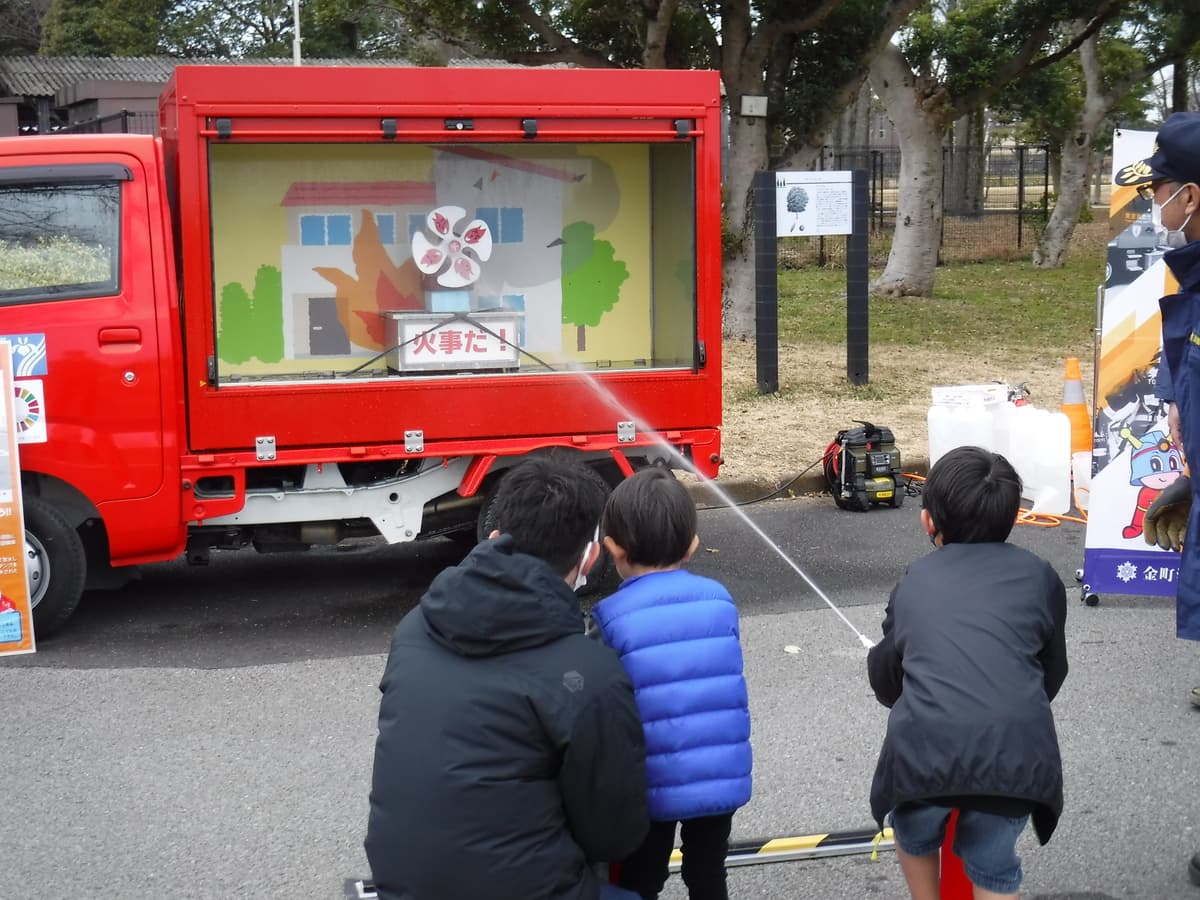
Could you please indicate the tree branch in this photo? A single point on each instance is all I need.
(658, 26)
(1022, 61)
(769, 32)
(563, 48)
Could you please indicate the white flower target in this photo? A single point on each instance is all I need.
(454, 256)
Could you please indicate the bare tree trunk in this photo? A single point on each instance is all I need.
(976, 160)
(1179, 85)
(1076, 164)
(658, 26)
(913, 258)
(747, 155)
(956, 164)
(1056, 165)
(853, 126)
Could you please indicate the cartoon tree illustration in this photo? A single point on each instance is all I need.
(591, 278)
(377, 286)
(252, 324)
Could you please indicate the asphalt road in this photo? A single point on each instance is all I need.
(208, 732)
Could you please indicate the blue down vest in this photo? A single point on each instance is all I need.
(677, 635)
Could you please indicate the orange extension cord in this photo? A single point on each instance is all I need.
(1025, 516)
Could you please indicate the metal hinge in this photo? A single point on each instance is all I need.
(212, 371)
(264, 448)
(414, 441)
(626, 432)
(701, 354)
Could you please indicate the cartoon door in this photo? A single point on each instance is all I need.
(326, 336)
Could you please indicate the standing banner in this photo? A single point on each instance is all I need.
(16, 614)
(1133, 456)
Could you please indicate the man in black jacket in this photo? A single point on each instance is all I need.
(510, 757)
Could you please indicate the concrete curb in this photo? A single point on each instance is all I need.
(749, 489)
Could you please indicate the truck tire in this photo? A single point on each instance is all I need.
(55, 566)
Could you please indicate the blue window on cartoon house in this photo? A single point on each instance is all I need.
(507, 223)
(319, 231)
(416, 222)
(337, 230)
(515, 302)
(386, 222)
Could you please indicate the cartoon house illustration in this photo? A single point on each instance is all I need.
(323, 218)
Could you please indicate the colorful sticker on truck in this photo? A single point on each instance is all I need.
(29, 410)
(28, 354)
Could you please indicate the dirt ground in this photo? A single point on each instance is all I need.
(770, 439)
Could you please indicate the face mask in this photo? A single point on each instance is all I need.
(1173, 237)
(580, 578)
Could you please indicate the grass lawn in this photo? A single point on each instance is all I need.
(1008, 306)
(991, 321)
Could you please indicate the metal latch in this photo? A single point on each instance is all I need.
(264, 447)
(414, 441)
(626, 432)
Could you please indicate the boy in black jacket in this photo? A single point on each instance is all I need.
(510, 756)
(972, 653)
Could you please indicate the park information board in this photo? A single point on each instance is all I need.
(1133, 456)
(811, 204)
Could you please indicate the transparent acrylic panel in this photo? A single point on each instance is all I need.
(59, 240)
(402, 260)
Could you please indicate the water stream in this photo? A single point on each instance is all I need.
(684, 463)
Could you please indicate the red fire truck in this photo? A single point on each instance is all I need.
(325, 303)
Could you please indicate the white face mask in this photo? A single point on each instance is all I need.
(580, 578)
(1172, 237)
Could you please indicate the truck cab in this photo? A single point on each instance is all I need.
(327, 302)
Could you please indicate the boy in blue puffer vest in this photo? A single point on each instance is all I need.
(677, 635)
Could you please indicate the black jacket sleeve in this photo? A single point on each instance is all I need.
(603, 776)
(883, 661)
(1053, 655)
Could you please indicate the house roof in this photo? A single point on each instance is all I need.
(44, 76)
(359, 193)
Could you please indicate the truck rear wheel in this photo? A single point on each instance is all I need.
(55, 566)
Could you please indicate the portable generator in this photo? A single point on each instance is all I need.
(862, 468)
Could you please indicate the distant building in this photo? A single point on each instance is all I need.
(41, 94)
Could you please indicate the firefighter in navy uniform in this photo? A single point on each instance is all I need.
(1170, 179)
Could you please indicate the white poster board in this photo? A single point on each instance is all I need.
(809, 204)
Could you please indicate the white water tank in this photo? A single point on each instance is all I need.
(1036, 441)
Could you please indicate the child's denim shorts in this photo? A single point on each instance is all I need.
(986, 843)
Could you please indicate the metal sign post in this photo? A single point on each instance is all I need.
(809, 204)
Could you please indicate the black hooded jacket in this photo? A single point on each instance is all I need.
(510, 754)
(973, 651)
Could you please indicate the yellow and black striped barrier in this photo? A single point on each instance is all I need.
(745, 853)
(810, 846)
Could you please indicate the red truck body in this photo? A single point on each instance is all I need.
(331, 302)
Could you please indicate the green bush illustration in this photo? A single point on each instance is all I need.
(251, 325)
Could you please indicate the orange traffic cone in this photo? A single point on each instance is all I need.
(1075, 406)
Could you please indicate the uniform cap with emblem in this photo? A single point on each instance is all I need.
(1176, 155)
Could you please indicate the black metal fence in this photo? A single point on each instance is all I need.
(995, 201)
(123, 122)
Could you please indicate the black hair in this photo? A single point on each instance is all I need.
(551, 508)
(973, 496)
(652, 517)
